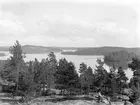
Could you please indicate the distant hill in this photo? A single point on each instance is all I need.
(2, 54)
(31, 49)
(102, 51)
(4, 48)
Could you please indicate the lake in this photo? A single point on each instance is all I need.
(76, 59)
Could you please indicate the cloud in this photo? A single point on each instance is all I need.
(77, 1)
(9, 26)
(68, 24)
(57, 41)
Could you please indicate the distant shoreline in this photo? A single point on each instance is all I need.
(82, 51)
(2, 54)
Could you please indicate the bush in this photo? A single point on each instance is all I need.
(135, 96)
(48, 92)
(73, 93)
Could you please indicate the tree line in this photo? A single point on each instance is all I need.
(119, 59)
(30, 77)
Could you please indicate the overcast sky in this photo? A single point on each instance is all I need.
(72, 23)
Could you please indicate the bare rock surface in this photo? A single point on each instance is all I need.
(4, 103)
(70, 102)
(77, 102)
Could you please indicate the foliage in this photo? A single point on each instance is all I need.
(14, 68)
(109, 82)
(101, 76)
(66, 76)
(119, 59)
(135, 80)
(86, 78)
(121, 80)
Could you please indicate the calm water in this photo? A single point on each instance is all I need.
(89, 60)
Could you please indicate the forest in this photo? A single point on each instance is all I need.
(102, 50)
(51, 77)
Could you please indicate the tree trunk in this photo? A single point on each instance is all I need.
(17, 81)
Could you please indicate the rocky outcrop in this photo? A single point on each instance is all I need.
(137, 103)
(79, 102)
(128, 103)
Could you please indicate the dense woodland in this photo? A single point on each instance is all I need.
(102, 51)
(119, 59)
(31, 78)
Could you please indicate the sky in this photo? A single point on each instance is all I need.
(70, 23)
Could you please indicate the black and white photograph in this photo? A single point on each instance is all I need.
(69, 52)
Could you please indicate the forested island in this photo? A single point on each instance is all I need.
(113, 56)
(102, 51)
(119, 59)
(59, 81)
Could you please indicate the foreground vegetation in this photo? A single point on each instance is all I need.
(60, 78)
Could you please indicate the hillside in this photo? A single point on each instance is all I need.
(102, 51)
(2, 54)
(31, 49)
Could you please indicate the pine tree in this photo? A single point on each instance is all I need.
(90, 76)
(113, 83)
(135, 66)
(52, 65)
(101, 76)
(73, 79)
(86, 77)
(15, 67)
(135, 80)
(61, 78)
(66, 76)
(37, 71)
(121, 79)
(83, 78)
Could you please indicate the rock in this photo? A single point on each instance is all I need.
(123, 97)
(4, 103)
(117, 103)
(128, 103)
(121, 103)
(105, 101)
(127, 91)
(137, 103)
(70, 102)
(76, 102)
